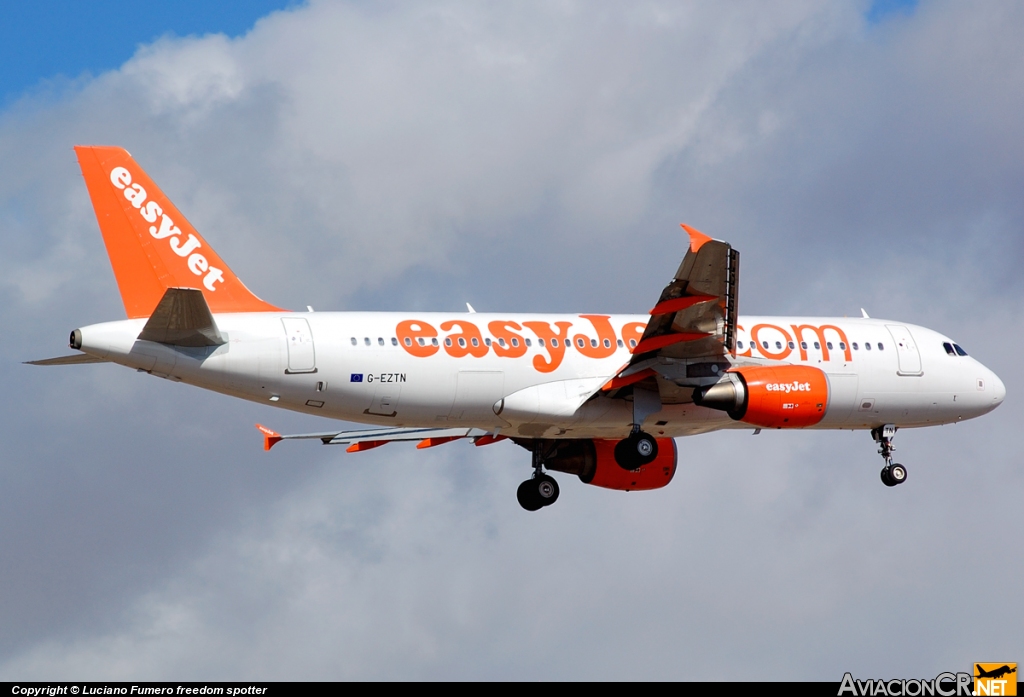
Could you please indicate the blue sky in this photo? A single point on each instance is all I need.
(45, 40)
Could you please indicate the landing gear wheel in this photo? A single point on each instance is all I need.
(637, 450)
(534, 494)
(893, 473)
(528, 497)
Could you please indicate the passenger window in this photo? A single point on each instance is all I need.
(540, 342)
(607, 344)
(817, 345)
(475, 341)
(515, 341)
(867, 345)
(380, 341)
(855, 347)
(792, 345)
(554, 342)
(579, 342)
(487, 341)
(803, 345)
(354, 342)
(501, 342)
(462, 342)
(959, 351)
(632, 343)
(842, 345)
(829, 344)
(593, 343)
(421, 341)
(764, 344)
(528, 342)
(394, 341)
(408, 341)
(739, 345)
(448, 341)
(880, 346)
(433, 342)
(620, 343)
(778, 344)
(366, 340)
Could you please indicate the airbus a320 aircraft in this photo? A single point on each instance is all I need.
(599, 396)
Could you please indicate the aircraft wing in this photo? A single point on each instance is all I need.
(695, 316)
(367, 438)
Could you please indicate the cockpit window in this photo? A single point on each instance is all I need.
(959, 351)
(949, 348)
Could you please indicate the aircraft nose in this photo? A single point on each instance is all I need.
(998, 390)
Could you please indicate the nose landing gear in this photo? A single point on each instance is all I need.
(893, 473)
(541, 489)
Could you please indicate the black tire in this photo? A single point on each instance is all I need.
(625, 455)
(546, 489)
(528, 497)
(897, 473)
(886, 479)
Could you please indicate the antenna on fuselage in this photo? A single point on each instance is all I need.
(863, 313)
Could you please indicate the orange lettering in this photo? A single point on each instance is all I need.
(414, 336)
(604, 345)
(632, 332)
(760, 345)
(468, 343)
(553, 343)
(798, 331)
(514, 346)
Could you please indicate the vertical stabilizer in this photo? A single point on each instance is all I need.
(152, 247)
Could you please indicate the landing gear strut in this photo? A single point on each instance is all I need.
(893, 473)
(541, 489)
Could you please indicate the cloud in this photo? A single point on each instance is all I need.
(523, 157)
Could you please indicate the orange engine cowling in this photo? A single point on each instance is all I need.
(593, 461)
(789, 396)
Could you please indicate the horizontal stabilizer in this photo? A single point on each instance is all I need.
(77, 359)
(182, 318)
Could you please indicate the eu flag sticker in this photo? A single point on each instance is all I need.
(356, 377)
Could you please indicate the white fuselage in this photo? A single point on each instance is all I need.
(362, 367)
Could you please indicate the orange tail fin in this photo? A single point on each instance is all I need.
(151, 245)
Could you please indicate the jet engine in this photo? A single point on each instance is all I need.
(593, 461)
(790, 396)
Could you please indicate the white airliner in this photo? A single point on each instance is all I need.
(599, 396)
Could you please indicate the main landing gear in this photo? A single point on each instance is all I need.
(893, 473)
(541, 489)
(637, 450)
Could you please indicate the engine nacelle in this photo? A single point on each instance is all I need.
(593, 461)
(789, 396)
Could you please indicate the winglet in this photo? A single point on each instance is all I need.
(697, 238)
(270, 438)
